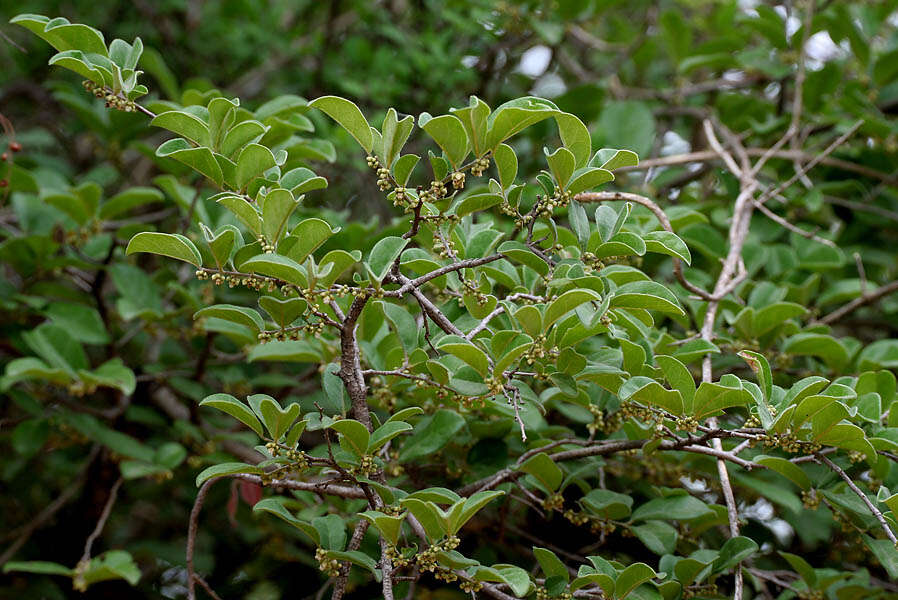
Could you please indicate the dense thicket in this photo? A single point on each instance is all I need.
(482, 352)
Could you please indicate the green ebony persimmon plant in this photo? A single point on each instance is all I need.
(497, 358)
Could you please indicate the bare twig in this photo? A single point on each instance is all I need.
(191, 535)
(101, 522)
(865, 299)
(51, 509)
(876, 512)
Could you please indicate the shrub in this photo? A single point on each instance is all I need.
(509, 355)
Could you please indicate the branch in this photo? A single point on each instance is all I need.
(320, 488)
(709, 155)
(350, 364)
(357, 534)
(876, 513)
(101, 522)
(410, 284)
(662, 218)
(191, 535)
(864, 299)
(51, 509)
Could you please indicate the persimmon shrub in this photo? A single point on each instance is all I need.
(497, 361)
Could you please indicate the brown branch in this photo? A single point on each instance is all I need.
(709, 155)
(860, 493)
(191, 535)
(51, 509)
(101, 522)
(863, 300)
(662, 219)
(321, 488)
(354, 542)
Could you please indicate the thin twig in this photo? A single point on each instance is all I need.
(876, 512)
(191, 535)
(865, 299)
(101, 522)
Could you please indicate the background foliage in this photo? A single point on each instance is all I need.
(105, 365)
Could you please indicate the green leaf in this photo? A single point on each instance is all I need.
(518, 252)
(679, 378)
(567, 302)
(185, 125)
(544, 470)
(237, 409)
(575, 137)
(679, 508)
(302, 180)
(235, 314)
(224, 469)
(404, 324)
(562, 164)
(348, 115)
(277, 206)
(470, 507)
(648, 391)
(113, 564)
(240, 135)
(611, 159)
(507, 165)
(551, 564)
(284, 312)
(588, 178)
(78, 62)
(254, 160)
(57, 347)
(465, 350)
(431, 435)
(128, 199)
(306, 237)
(395, 134)
(83, 323)
(607, 504)
(198, 159)
(276, 507)
(29, 436)
(734, 550)
(243, 210)
(823, 346)
(39, 567)
(711, 397)
(477, 202)
(665, 242)
(758, 363)
(516, 115)
(277, 420)
(632, 577)
(385, 433)
(287, 351)
(384, 254)
(403, 167)
(428, 514)
(63, 35)
(801, 566)
(356, 434)
(277, 266)
(786, 468)
(885, 553)
(389, 526)
(658, 536)
(629, 124)
(649, 295)
(172, 245)
(449, 134)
